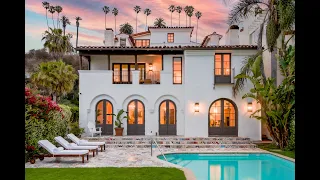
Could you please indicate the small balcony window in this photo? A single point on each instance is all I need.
(170, 37)
(222, 68)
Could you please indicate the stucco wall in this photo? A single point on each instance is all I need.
(159, 37)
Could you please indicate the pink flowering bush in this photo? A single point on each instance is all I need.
(44, 119)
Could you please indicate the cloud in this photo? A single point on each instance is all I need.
(214, 16)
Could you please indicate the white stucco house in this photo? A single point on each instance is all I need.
(167, 84)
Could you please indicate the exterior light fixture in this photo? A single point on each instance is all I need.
(150, 67)
(196, 107)
(249, 107)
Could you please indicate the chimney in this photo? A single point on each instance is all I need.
(214, 39)
(233, 35)
(108, 37)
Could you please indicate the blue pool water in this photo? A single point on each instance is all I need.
(235, 166)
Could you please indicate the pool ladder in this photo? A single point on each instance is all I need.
(154, 141)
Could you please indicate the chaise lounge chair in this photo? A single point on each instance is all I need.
(60, 152)
(82, 142)
(73, 146)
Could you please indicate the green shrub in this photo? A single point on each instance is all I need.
(44, 120)
(75, 114)
(291, 144)
(75, 129)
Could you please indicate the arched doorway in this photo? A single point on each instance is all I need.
(104, 121)
(223, 118)
(167, 118)
(136, 118)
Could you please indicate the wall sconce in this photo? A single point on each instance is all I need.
(150, 67)
(196, 107)
(249, 107)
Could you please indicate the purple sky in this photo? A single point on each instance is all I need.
(214, 18)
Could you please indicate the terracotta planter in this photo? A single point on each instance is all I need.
(119, 131)
(32, 161)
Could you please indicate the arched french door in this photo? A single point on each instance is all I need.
(167, 118)
(223, 118)
(103, 120)
(136, 118)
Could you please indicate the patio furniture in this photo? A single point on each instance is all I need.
(60, 152)
(93, 129)
(82, 142)
(72, 146)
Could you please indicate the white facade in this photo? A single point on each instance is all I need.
(198, 86)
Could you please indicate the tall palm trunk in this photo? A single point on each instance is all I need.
(64, 30)
(186, 20)
(77, 36)
(190, 21)
(58, 22)
(105, 21)
(137, 23)
(47, 19)
(115, 24)
(146, 22)
(53, 21)
(179, 19)
(197, 32)
(171, 19)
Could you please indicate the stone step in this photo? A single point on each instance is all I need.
(181, 146)
(176, 142)
(168, 138)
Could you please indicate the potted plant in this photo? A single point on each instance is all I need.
(118, 123)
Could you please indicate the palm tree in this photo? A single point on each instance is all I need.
(65, 21)
(115, 13)
(106, 10)
(186, 11)
(279, 16)
(56, 77)
(137, 9)
(46, 5)
(198, 14)
(190, 13)
(179, 9)
(58, 10)
(159, 22)
(147, 12)
(77, 23)
(52, 10)
(56, 43)
(126, 28)
(171, 9)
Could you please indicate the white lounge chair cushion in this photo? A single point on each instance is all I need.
(83, 147)
(51, 148)
(82, 142)
(55, 150)
(73, 144)
(71, 152)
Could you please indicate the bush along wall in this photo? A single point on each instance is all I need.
(44, 120)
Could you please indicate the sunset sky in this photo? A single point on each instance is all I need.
(214, 18)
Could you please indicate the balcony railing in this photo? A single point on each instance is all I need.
(152, 77)
(220, 77)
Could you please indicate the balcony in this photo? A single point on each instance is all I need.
(223, 76)
(125, 77)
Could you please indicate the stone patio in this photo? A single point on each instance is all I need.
(130, 157)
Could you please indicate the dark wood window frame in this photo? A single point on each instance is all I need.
(135, 41)
(173, 69)
(172, 37)
(222, 78)
(129, 80)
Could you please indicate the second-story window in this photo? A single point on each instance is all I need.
(222, 68)
(170, 37)
(142, 42)
(123, 42)
(177, 70)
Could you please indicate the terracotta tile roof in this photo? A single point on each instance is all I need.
(140, 33)
(207, 37)
(167, 47)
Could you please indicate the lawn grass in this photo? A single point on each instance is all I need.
(108, 173)
(273, 148)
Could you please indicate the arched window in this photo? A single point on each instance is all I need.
(136, 118)
(103, 120)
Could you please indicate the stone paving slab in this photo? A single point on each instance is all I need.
(129, 157)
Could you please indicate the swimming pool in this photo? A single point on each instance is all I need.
(257, 166)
